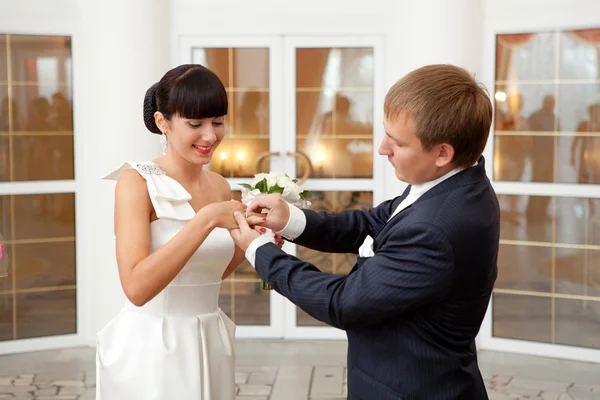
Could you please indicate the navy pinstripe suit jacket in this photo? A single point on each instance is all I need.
(412, 311)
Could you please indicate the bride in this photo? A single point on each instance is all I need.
(171, 340)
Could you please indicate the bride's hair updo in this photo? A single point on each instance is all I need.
(189, 91)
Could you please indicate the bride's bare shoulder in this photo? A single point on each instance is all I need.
(221, 184)
(132, 189)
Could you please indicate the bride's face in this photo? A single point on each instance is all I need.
(196, 140)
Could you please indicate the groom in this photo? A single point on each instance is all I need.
(427, 263)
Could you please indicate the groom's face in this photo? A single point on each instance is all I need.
(412, 164)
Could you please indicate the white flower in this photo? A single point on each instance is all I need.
(290, 191)
(285, 181)
(249, 195)
(271, 179)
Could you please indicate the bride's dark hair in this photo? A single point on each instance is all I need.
(189, 91)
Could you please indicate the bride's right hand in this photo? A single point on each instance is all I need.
(221, 214)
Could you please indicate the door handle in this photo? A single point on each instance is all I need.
(309, 168)
(262, 156)
(297, 154)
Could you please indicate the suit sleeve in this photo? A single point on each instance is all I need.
(411, 270)
(342, 232)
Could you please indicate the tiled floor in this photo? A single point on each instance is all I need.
(295, 370)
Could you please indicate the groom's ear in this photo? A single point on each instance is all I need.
(445, 155)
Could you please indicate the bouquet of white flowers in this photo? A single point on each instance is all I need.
(275, 183)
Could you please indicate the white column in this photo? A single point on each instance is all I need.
(435, 31)
(120, 49)
(423, 32)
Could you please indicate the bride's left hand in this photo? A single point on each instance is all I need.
(244, 234)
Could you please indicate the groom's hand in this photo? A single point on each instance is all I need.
(243, 235)
(278, 212)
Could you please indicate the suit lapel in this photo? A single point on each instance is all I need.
(469, 176)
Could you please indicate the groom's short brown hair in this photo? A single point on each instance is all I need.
(448, 106)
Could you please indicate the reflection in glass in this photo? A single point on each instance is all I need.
(309, 121)
(547, 123)
(522, 317)
(578, 323)
(327, 262)
(525, 125)
(251, 114)
(232, 66)
(337, 158)
(247, 123)
(252, 304)
(334, 111)
(237, 157)
(550, 257)
(46, 313)
(6, 317)
(526, 57)
(334, 68)
(580, 54)
(44, 216)
(525, 268)
(241, 297)
(43, 157)
(3, 60)
(38, 118)
(46, 264)
(577, 221)
(577, 272)
(245, 303)
(40, 59)
(255, 77)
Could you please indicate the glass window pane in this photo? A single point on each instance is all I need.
(251, 68)
(334, 111)
(46, 313)
(522, 317)
(6, 316)
(39, 230)
(45, 264)
(31, 59)
(577, 323)
(326, 262)
(548, 255)
(44, 216)
(526, 57)
(3, 60)
(43, 157)
(247, 123)
(241, 297)
(37, 119)
(526, 268)
(580, 54)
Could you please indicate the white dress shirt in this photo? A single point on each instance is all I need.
(297, 220)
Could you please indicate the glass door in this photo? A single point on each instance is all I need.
(334, 112)
(306, 106)
(546, 157)
(38, 298)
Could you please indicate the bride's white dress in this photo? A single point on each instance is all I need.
(179, 345)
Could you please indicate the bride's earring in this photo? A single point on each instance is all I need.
(163, 142)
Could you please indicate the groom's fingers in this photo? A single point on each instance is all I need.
(265, 201)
